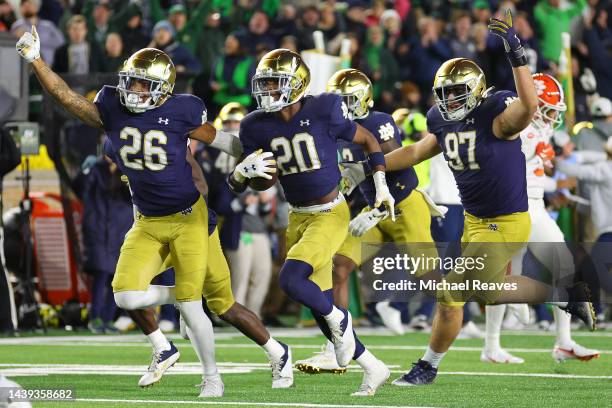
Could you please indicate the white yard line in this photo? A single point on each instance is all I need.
(245, 403)
(41, 341)
(12, 370)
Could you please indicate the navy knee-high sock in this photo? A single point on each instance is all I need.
(294, 281)
(322, 323)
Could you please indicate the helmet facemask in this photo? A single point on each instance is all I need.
(549, 116)
(141, 101)
(463, 101)
(273, 90)
(356, 105)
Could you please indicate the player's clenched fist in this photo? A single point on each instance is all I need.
(28, 46)
(256, 164)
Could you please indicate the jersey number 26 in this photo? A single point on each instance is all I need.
(155, 158)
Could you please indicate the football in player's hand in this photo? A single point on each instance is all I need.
(261, 183)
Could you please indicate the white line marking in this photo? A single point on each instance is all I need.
(259, 404)
(227, 368)
(39, 341)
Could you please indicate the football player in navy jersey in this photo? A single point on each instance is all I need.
(300, 133)
(372, 225)
(477, 130)
(148, 127)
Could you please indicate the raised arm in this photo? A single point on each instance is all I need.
(409, 156)
(519, 113)
(28, 47)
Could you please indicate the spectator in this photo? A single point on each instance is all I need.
(462, 42)
(78, 56)
(50, 37)
(428, 52)
(98, 23)
(115, 57)
(331, 27)
(259, 32)
(392, 24)
(355, 21)
(133, 33)
(163, 39)
(552, 21)
(285, 23)
(598, 39)
(189, 28)
(7, 16)
(481, 11)
(251, 263)
(381, 68)
(308, 24)
(107, 218)
(232, 73)
(593, 138)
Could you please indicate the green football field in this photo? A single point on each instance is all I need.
(103, 371)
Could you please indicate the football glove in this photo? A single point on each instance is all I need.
(28, 46)
(256, 164)
(353, 173)
(383, 195)
(546, 152)
(366, 221)
(512, 44)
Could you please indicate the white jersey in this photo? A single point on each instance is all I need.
(537, 180)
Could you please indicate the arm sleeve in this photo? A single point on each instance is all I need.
(588, 172)
(340, 126)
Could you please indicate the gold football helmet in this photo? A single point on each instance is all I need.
(280, 80)
(231, 112)
(146, 80)
(356, 90)
(459, 85)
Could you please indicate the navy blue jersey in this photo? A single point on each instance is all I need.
(151, 148)
(304, 147)
(402, 182)
(108, 151)
(490, 172)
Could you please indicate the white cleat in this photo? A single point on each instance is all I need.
(344, 341)
(322, 362)
(160, 362)
(521, 311)
(391, 317)
(470, 331)
(373, 379)
(574, 352)
(282, 369)
(166, 326)
(419, 322)
(211, 387)
(500, 356)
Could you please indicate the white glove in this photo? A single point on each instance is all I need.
(256, 164)
(383, 195)
(366, 221)
(352, 175)
(28, 46)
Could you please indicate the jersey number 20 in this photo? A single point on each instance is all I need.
(452, 142)
(155, 158)
(286, 150)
